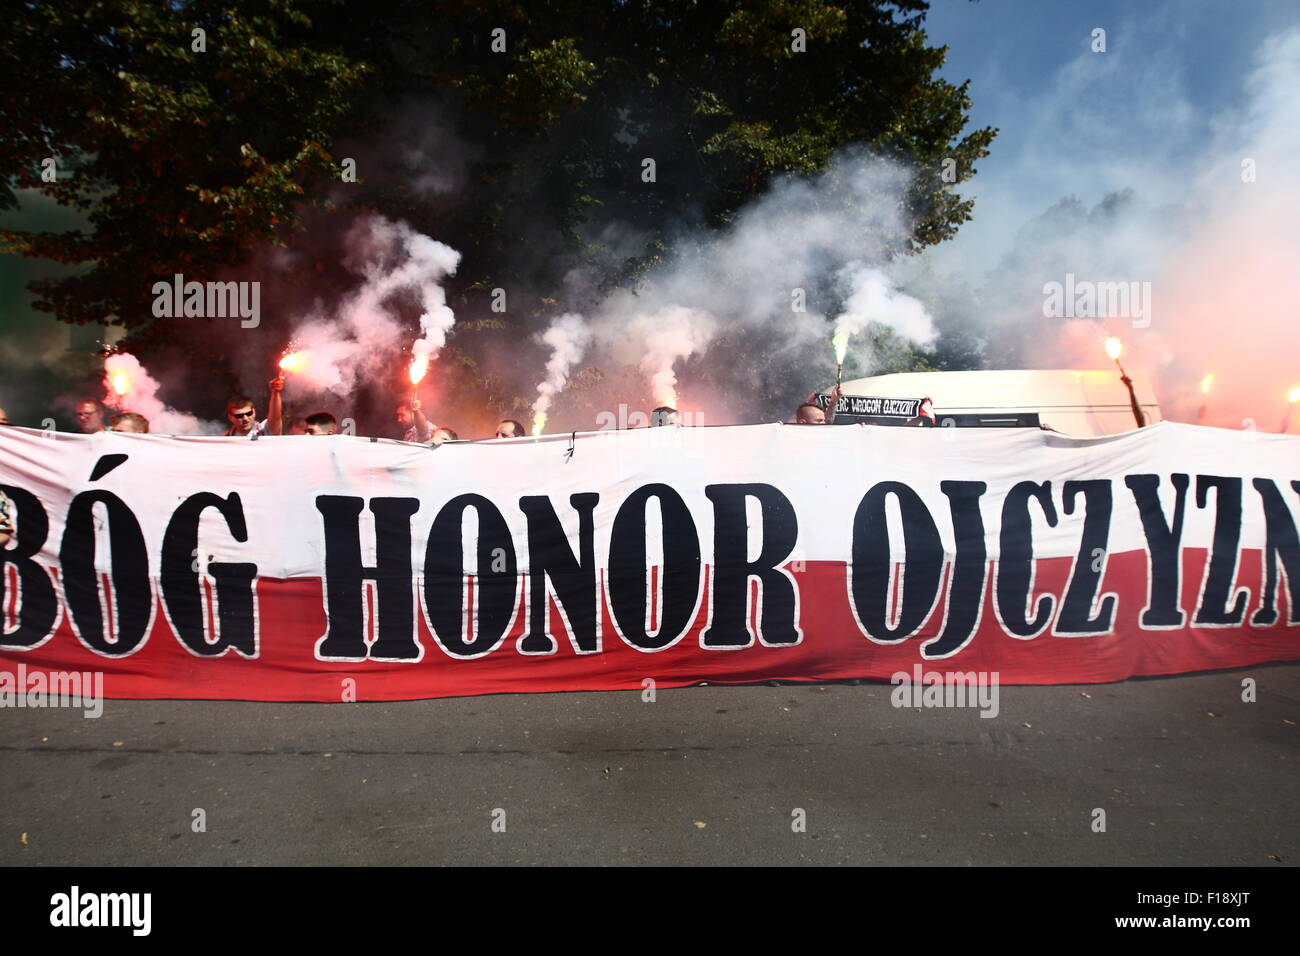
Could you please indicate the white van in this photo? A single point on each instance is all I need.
(1083, 403)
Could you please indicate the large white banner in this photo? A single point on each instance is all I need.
(283, 568)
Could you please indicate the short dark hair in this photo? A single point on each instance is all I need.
(449, 430)
(660, 415)
(807, 405)
(518, 427)
(321, 418)
(239, 401)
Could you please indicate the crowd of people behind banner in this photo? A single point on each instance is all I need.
(410, 419)
(414, 426)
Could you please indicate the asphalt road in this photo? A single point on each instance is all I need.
(1185, 771)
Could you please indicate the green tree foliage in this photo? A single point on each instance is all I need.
(182, 159)
(186, 161)
(716, 94)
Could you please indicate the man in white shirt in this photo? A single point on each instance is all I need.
(410, 418)
(243, 417)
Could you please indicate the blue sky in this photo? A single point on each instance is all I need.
(1074, 122)
(1186, 96)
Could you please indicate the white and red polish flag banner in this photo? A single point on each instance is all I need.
(329, 568)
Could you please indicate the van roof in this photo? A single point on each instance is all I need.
(1077, 402)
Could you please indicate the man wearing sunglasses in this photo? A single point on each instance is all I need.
(243, 417)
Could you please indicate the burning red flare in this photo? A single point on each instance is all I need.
(419, 366)
(293, 361)
(120, 371)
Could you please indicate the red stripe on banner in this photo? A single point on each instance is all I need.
(291, 621)
(9, 609)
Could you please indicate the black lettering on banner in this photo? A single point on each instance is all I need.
(130, 593)
(1221, 568)
(1164, 555)
(553, 569)
(36, 606)
(446, 586)
(965, 599)
(105, 464)
(778, 597)
(184, 597)
(1081, 593)
(1281, 543)
(345, 579)
(871, 572)
(679, 588)
(1016, 570)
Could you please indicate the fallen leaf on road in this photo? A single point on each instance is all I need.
(117, 743)
(699, 825)
(1085, 694)
(23, 839)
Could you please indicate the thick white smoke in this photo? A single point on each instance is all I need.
(358, 340)
(568, 338)
(670, 334)
(129, 388)
(653, 341)
(872, 298)
(806, 247)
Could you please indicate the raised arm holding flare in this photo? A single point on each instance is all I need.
(275, 406)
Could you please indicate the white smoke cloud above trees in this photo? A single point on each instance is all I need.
(1210, 224)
